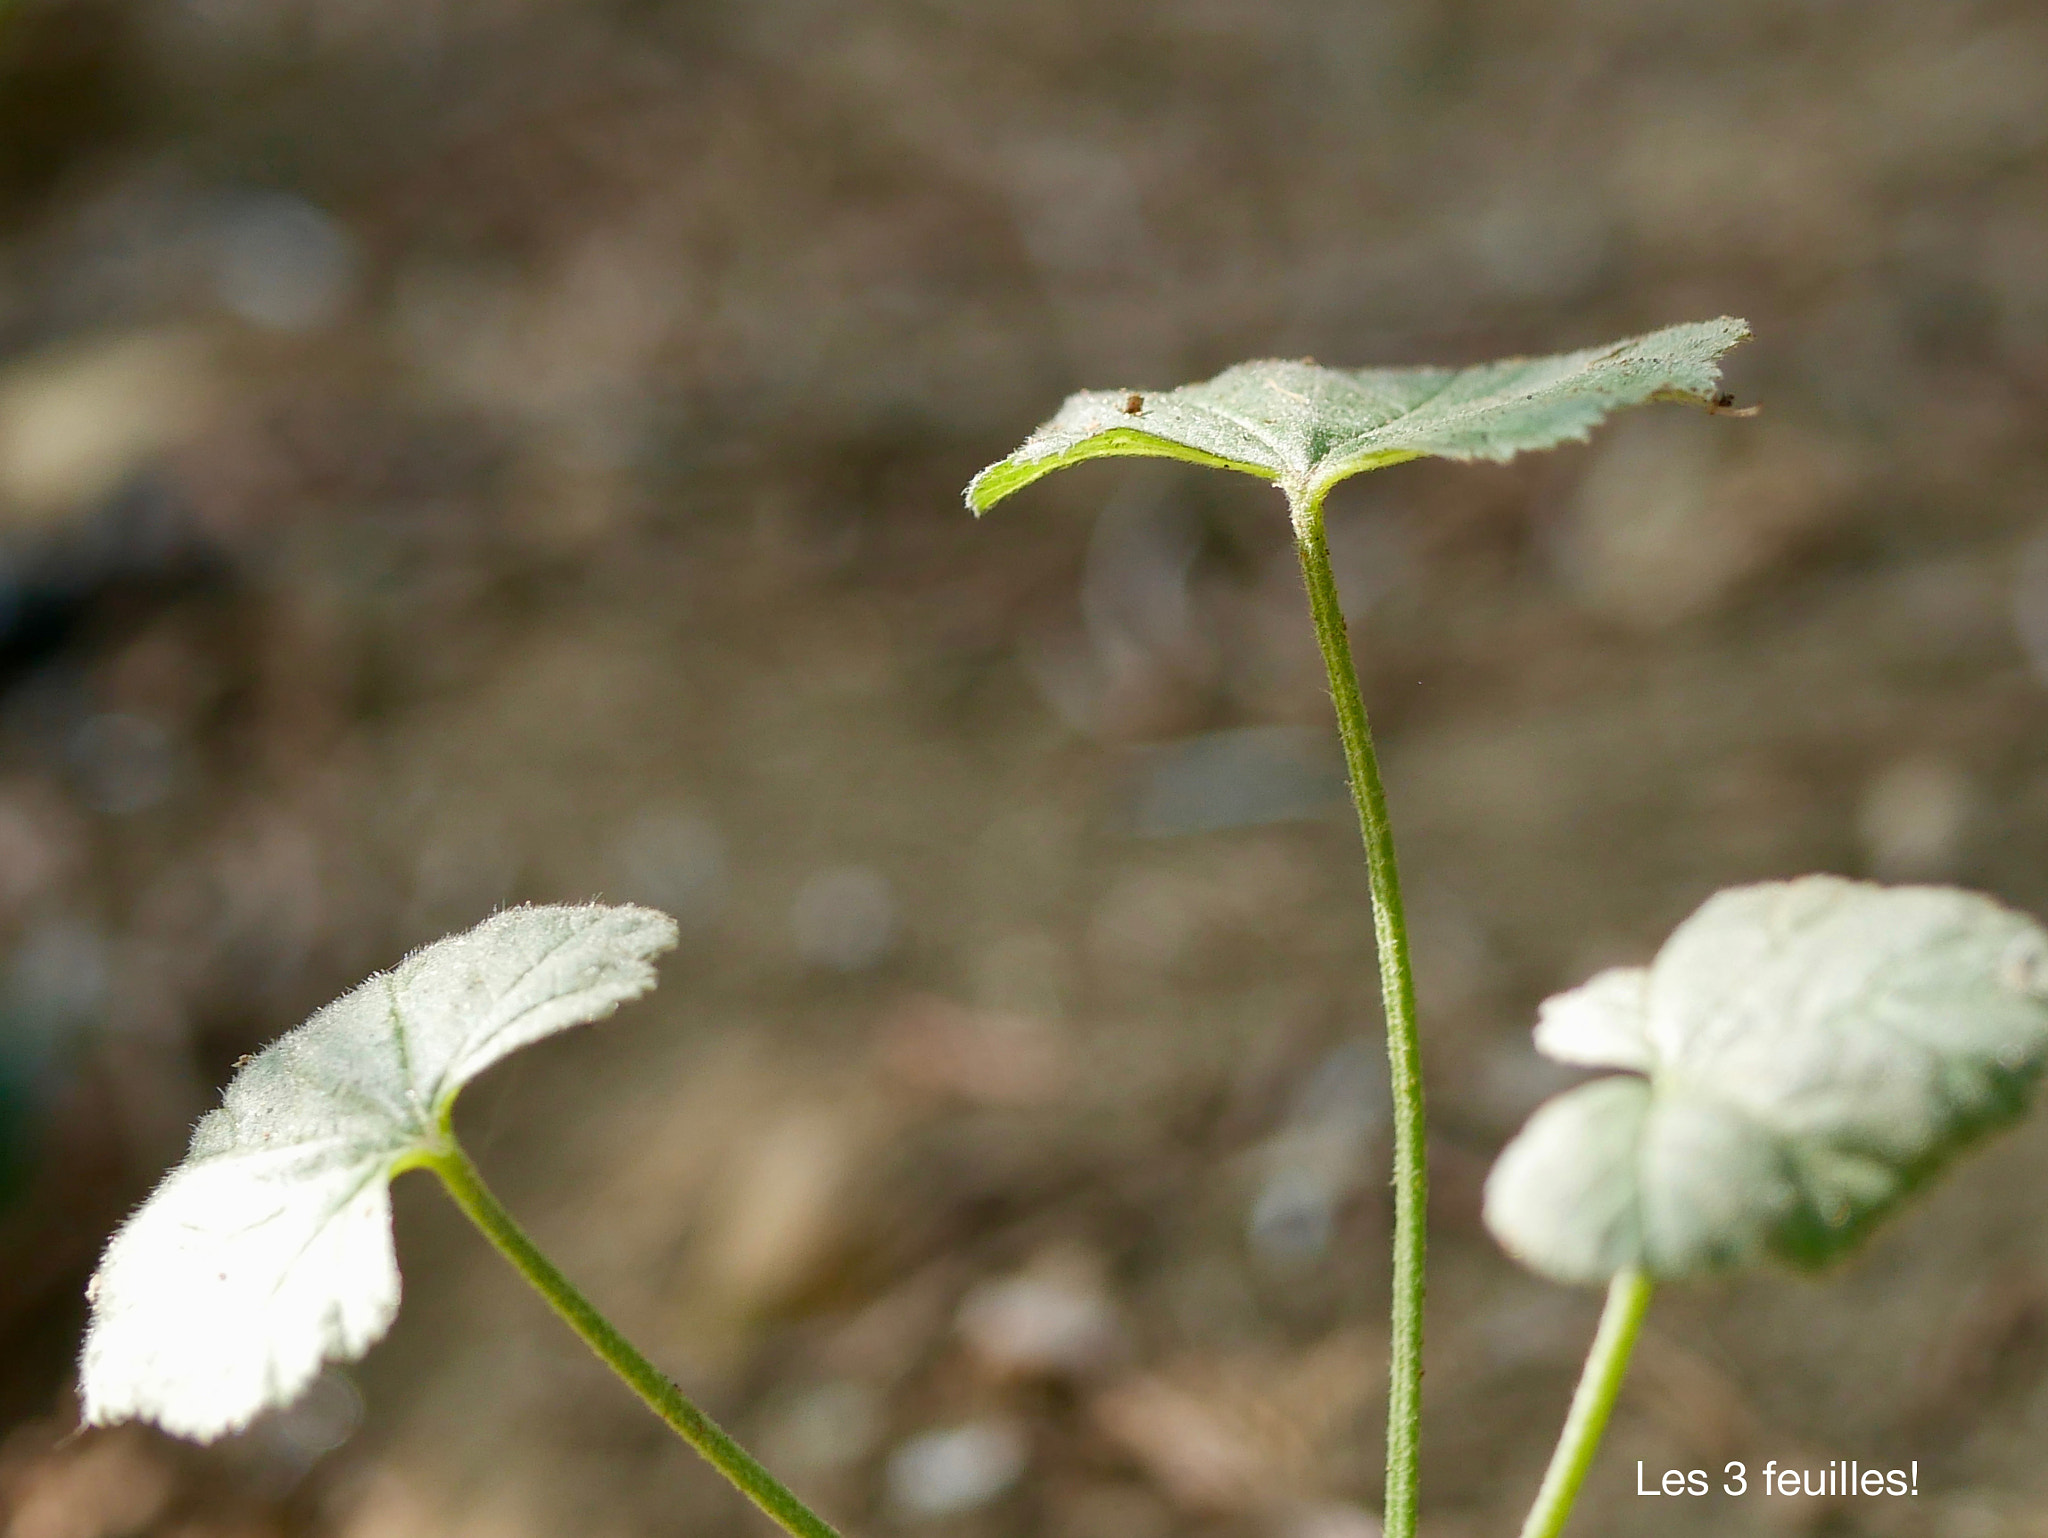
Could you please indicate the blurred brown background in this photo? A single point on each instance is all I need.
(462, 451)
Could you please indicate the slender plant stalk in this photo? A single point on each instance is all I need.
(1628, 1298)
(662, 1396)
(1397, 992)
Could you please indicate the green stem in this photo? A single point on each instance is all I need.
(1628, 1298)
(1397, 993)
(662, 1396)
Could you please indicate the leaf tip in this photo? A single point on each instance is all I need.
(989, 487)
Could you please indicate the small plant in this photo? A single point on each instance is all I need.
(268, 1251)
(1798, 1057)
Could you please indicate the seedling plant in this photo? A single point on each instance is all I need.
(1798, 1057)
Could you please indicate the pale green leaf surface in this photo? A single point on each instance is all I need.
(268, 1251)
(1809, 1052)
(1598, 1024)
(1305, 427)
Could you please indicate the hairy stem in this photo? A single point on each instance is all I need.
(1397, 992)
(662, 1396)
(1628, 1298)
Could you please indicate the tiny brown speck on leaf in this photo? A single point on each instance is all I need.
(1723, 405)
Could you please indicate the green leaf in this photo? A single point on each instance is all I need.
(268, 1251)
(1810, 1052)
(1305, 428)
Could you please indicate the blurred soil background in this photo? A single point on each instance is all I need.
(455, 452)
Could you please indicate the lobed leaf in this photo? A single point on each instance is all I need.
(1809, 1052)
(1305, 427)
(267, 1252)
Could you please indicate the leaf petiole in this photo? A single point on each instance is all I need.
(642, 1376)
(1628, 1299)
(1397, 992)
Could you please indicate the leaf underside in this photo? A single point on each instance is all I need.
(267, 1252)
(1802, 1055)
(1305, 427)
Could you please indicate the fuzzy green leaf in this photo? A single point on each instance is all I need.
(1810, 1052)
(268, 1250)
(1305, 427)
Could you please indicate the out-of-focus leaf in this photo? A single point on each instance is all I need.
(1811, 1051)
(1305, 427)
(268, 1251)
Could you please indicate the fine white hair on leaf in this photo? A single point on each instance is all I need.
(267, 1252)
